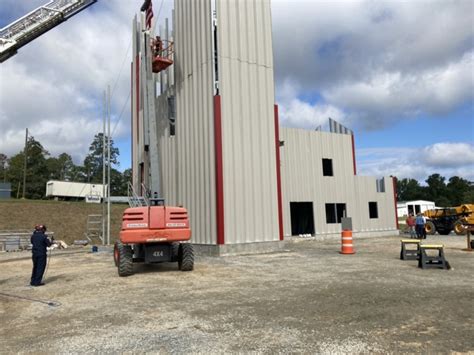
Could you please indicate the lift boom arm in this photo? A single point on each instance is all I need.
(34, 24)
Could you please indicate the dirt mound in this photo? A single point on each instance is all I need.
(67, 220)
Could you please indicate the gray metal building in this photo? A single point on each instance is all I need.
(206, 133)
(320, 185)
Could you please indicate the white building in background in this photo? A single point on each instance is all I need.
(209, 138)
(406, 207)
(74, 190)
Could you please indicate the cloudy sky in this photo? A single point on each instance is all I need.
(399, 73)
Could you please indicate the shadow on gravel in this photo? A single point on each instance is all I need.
(143, 268)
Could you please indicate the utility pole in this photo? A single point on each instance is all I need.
(103, 169)
(24, 165)
(108, 165)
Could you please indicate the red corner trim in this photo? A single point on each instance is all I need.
(219, 170)
(394, 182)
(278, 170)
(353, 154)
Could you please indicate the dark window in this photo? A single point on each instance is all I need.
(334, 212)
(172, 115)
(380, 185)
(327, 167)
(373, 211)
(302, 218)
(410, 209)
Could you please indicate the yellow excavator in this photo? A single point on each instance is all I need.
(444, 220)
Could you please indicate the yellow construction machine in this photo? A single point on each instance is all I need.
(444, 220)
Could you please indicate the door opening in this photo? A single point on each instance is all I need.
(302, 218)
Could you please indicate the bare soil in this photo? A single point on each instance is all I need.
(305, 299)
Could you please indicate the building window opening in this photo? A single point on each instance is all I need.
(335, 212)
(373, 210)
(172, 115)
(380, 183)
(327, 167)
(302, 218)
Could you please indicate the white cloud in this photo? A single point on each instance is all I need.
(294, 112)
(391, 96)
(447, 159)
(54, 85)
(448, 154)
(377, 60)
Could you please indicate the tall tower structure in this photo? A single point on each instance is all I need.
(215, 129)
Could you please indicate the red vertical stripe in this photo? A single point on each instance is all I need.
(219, 170)
(353, 154)
(278, 170)
(394, 182)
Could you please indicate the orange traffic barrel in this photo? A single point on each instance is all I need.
(346, 242)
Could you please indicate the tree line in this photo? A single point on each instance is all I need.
(42, 167)
(454, 192)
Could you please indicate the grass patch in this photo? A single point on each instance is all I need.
(67, 220)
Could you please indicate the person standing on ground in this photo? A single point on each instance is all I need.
(40, 242)
(420, 222)
(410, 221)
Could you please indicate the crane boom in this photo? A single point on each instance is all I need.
(34, 24)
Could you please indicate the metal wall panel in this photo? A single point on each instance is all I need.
(134, 99)
(194, 140)
(246, 85)
(303, 181)
(167, 149)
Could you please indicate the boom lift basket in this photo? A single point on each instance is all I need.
(162, 54)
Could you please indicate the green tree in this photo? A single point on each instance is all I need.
(93, 161)
(457, 188)
(37, 173)
(116, 183)
(437, 191)
(3, 167)
(468, 196)
(61, 168)
(409, 189)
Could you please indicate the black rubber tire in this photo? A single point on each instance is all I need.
(186, 257)
(430, 228)
(174, 252)
(125, 262)
(116, 253)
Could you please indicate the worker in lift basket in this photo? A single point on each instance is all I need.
(40, 242)
(158, 46)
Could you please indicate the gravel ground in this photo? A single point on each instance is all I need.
(305, 299)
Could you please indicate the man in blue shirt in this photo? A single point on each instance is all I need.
(420, 222)
(40, 242)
